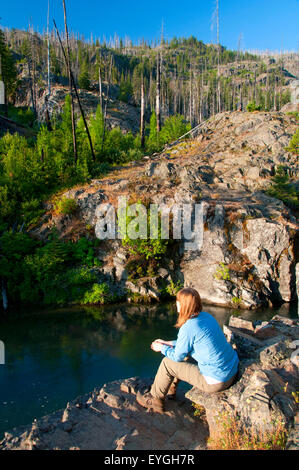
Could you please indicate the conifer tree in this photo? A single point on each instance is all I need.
(8, 68)
(84, 80)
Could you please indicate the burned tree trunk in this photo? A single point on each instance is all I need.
(100, 88)
(68, 64)
(158, 93)
(142, 128)
(77, 95)
(106, 103)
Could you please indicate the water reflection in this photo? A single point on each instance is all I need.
(54, 356)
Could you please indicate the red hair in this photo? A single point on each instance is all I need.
(190, 305)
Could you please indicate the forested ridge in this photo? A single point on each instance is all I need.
(196, 79)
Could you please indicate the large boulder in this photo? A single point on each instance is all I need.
(265, 393)
(246, 260)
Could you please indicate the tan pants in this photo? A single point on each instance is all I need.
(187, 371)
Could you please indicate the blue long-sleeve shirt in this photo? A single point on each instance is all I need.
(202, 338)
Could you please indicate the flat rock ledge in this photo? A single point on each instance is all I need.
(109, 418)
(266, 390)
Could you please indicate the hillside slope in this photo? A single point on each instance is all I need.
(249, 252)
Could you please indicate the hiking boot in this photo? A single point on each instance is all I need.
(171, 395)
(148, 401)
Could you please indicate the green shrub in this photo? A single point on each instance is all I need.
(173, 128)
(55, 273)
(65, 205)
(22, 116)
(282, 189)
(222, 272)
(83, 252)
(293, 146)
(99, 294)
(8, 207)
(294, 114)
(173, 288)
(252, 106)
(31, 211)
(145, 253)
(170, 289)
(148, 247)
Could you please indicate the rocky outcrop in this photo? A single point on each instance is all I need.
(266, 391)
(249, 245)
(110, 419)
(119, 114)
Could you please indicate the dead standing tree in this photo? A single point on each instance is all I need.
(106, 102)
(48, 95)
(100, 87)
(68, 65)
(142, 110)
(29, 57)
(217, 98)
(218, 61)
(158, 93)
(77, 96)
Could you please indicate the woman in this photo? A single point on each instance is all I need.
(201, 338)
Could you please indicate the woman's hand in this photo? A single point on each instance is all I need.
(157, 345)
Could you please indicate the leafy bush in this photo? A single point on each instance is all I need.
(170, 289)
(294, 143)
(173, 288)
(21, 167)
(282, 189)
(252, 106)
(173, 128)
(145, 253)
(22, 116)
(146, 247)
(294, 114)
(31, 211)
(8, 207)
(55, 273)
(117, 145)
(222, 272)
(83, 252)
(99, 294)
(65, 205)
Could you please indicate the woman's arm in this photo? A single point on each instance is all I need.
(163, 341)
(182, 347)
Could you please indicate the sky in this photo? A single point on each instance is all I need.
(254, 24)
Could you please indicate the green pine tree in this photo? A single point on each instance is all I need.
(84, 79)
(153, 143)
(8, 68)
